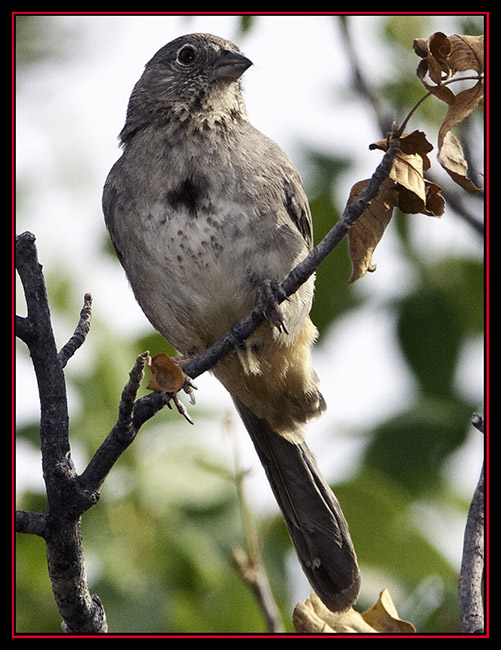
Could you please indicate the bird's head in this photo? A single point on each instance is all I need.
(194, 77)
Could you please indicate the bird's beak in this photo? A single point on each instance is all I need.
(230, 65)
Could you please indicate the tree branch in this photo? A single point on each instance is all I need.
(50, 377)
(254, 576)
(60, 522)
(249, 563)
(81, 331)
(382, 116)
(471, 606)
(120, 437)
(23, 328)
(33, 523)
(148, 405)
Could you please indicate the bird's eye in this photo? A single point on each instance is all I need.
(186, 55)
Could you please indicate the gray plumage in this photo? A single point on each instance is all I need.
(202, 209)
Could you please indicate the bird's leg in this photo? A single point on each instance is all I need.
(270, 294)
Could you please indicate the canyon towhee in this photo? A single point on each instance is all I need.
(203, 211)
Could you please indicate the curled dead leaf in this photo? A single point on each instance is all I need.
(442, 57)
(407, 172)
(165, 374)
(416, 194)
(406, 188)
(467, 53)
(313, 617)
(452, 160)
(383, 616)
(434, 51)
(450, 152)
(416, 143)
(434, 204)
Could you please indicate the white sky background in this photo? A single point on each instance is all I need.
(69, 114)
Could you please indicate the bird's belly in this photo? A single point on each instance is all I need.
(199, 273)
(203, 281)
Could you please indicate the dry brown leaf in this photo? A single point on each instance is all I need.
(165, 374)
(407, 171)
(416, 194)
(406, 188)
(467, 53)
(416, 143)
(442, 92)
(452, 160)
(450, 152)
(443, 56)
(384, 618)
(464, 103)
(435, 204)
(434, 51)
(367, 231)
(313, 617)
(428, 201)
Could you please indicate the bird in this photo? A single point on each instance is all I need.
(207, 216)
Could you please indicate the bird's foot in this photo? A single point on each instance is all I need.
(270, 295)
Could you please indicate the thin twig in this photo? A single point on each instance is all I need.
(120, 437)
(382, 116)
(254, 576)
(81, 331)
(431, 91)
(148, 405)
(249, 564)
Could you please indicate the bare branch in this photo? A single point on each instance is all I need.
(81, 331)
(32, 523)
(249, 563)
(82, 612)
(471, 607)
(472, 566)
(120, 437)
(148, 405)
(60, 522)
(254, 576)
(42, 346)
(360, 83)
(24, 330)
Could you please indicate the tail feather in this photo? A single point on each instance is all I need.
(312, 514)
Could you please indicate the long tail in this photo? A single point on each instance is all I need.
(312, 513)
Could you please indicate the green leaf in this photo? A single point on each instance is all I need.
(430, 335)
(384, 531)
(412, 446)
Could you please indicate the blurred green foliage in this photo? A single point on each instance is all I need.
(158, 544)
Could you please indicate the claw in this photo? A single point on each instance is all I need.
(181, 408)
(269, 294)
(190, 388)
